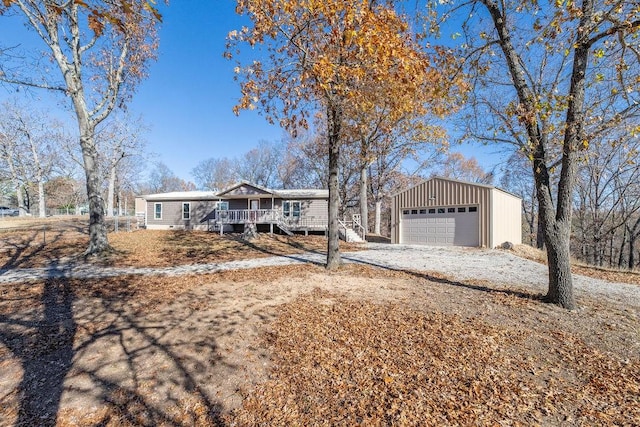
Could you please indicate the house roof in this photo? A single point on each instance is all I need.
(303, 193)
(182, 195)
(298, 193)
(240, 184)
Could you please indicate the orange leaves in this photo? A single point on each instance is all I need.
(95, 24)
(339, 52)
(344, 360)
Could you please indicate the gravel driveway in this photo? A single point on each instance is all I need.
(497, 266)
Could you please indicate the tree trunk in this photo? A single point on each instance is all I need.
(540, 231)
(364, 204)
(558, 256)
(42, 207)
(632, 261)
(111, 191)
(378, 214)
(98, 242)
(557, 222)
(22, 211)
(623, 243)
(333, 243)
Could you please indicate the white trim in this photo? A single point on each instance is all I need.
(155, 217)
(182, 211)
(291, 202)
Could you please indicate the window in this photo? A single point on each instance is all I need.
(462, 209)
(406, 212)
(440, 210)
(186, 210)
(423, 211)
(473, 209)
(414, 211)
(451, 210)
(432, 211)
(223, 206)
(291, 209)
(157, 211)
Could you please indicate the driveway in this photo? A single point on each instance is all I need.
(499, 267)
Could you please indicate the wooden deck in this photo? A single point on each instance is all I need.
(269, 216)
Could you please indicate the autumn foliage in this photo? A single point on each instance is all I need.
(336, 59)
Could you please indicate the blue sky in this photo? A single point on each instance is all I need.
(188, 97)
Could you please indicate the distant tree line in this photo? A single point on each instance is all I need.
(41, 166)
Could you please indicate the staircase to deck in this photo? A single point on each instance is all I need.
(284, 227)
(349, 235)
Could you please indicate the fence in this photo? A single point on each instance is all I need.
(35, 212)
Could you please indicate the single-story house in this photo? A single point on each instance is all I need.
(445, 212)
(231, 209)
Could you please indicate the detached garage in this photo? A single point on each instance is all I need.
(448, 212)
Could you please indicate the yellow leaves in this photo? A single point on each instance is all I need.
(598, 53)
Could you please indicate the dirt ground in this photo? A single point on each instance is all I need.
(301, 346)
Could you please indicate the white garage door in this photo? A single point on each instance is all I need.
(444, 226)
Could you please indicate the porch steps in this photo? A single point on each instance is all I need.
(282, 226)
(349, 235)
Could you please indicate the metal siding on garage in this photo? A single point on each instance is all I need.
(443, 192)
(441, 229)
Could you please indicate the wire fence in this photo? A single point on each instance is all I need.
(68, 224)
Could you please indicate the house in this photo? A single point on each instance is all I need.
(444, 212)
(295, 210)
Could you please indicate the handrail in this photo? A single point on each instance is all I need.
(360, 228)
(342, 226)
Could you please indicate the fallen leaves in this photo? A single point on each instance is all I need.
(58, 241)
(339, 361)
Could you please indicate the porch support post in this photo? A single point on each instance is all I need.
(270, 228)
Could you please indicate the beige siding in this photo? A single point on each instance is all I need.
(506, 221)
(172, 214)
(438, 192)
(141, 205)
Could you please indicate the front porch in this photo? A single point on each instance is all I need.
(271, 217)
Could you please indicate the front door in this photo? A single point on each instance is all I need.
(254, 205)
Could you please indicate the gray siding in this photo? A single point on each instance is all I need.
(311, 209)
(172, 214)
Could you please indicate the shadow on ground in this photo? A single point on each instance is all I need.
(98, 347)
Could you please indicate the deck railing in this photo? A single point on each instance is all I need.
(268, 216)
(242, 216)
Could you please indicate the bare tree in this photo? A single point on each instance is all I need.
(214, 174)
(163, 180)
(260, 165)
(562, 61)
(30, 149)
(101, 49)
(120, 139)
